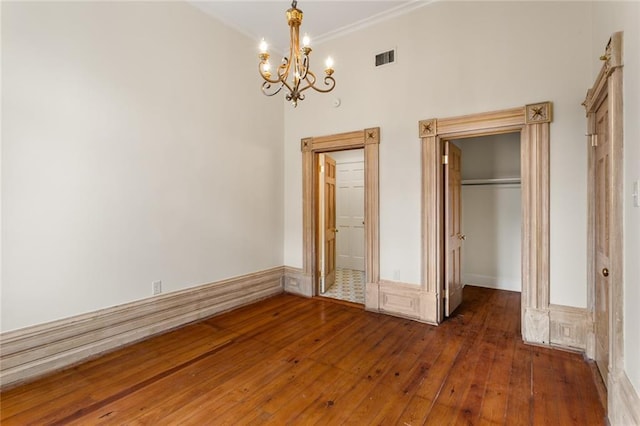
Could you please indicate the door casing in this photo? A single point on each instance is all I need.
(533, 122)
(369, 139)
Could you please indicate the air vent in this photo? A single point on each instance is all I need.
(385, 58)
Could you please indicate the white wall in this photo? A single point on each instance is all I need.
(609, 17)
(491, 213)
(491, 220)
(490, 157)
(455, 58)
(136, 147)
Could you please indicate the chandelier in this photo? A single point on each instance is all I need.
(293, 73)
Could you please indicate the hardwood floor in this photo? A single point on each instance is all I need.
(289, 360)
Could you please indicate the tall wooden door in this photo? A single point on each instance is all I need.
(328, 223)
(602, 243)
(453, 234)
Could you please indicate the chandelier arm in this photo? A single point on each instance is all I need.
(285, 84)
(328, 81)
(305, 67)
(311, 83)
(283, 68)
(266, 86)
(264, 76)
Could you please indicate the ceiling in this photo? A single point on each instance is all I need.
(323, 19)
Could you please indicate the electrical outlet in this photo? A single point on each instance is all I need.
(396, 274)
(156, 287)
(636, 193)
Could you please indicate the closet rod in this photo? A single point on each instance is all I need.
(501, 181)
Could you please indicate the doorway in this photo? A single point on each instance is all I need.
(491, 211)
(341, 225)
(368, 140)
(483, 215)
(533, 123)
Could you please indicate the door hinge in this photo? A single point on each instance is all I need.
(594, 139)
(445, 159)
(322, 168)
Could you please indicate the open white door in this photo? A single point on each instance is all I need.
(453, 237)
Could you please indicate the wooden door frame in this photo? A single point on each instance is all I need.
(533, 122)
(369, 139)
(608, 83)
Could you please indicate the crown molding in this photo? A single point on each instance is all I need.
(399, 10)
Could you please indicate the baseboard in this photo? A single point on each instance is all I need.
(38, 350)
(535, 327)
(407, 301)
(624, 402)
(498, 283)
(568, 327)
(296, 282)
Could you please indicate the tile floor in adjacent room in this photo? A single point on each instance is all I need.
(349, 286)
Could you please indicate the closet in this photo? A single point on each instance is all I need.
(491, 211)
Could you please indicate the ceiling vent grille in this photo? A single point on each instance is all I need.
(385, 58)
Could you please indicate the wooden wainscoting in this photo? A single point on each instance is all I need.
(34, 351)
(624, 401)
(568, 327)
(297, 282)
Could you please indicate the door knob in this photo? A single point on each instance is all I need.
(605, 272)
(462, 236)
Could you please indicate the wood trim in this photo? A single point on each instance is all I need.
(608, 84)
(568, 326)
(624, 402)
(34, 351)
(533, 121)
(400, 299)
(432, 225)
(472, 125)
(369, 139)
(535, 232)
(294, 281)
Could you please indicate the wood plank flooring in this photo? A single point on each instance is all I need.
(289, 360)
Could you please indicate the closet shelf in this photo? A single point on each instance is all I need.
(500, 181)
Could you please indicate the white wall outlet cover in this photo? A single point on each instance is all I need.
(336, 102)
(636, 193)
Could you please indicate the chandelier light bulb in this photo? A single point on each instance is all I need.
(263, 46)
(329, 63)
(266, 69)
(306, 40)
